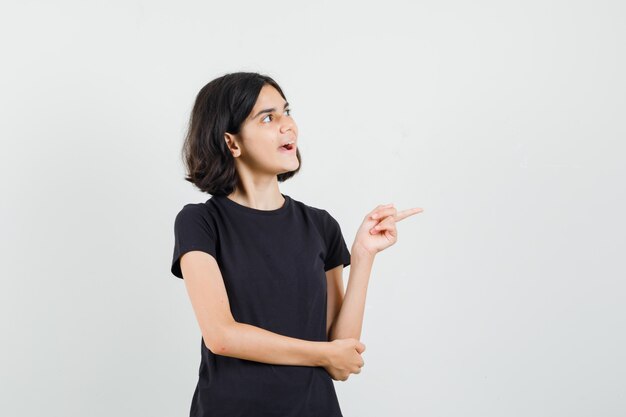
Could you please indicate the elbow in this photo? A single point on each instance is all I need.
(218, 348)
(216, 340)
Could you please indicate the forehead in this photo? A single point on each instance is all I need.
(269, 97)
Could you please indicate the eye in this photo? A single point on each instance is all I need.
(288, 111)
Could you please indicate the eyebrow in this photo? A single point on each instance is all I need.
(269, 110)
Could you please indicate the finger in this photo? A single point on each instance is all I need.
(389, 223)
(383, 212)
(408, 212)
(390, 232)
(378, 207)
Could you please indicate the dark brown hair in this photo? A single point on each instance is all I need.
(222, 106)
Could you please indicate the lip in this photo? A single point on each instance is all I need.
(293, 146)
(292, 150)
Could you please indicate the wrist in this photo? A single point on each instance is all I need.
(359, 254)
(323, 353)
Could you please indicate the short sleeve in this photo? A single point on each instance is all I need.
(336, 250)
(192, 231)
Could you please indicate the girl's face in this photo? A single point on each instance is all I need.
(269, 126)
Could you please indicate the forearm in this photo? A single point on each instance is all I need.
(349, 320)
(245, 341)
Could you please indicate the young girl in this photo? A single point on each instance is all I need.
(264, 272)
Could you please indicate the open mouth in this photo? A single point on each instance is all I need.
(288, 147)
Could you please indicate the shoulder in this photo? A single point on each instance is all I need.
(321, 216)
(191, 210)
(193, 214)
(201, 209)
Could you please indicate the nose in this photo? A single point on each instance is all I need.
(288, 124)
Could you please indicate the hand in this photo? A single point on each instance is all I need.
(344, 358)
(378, 230)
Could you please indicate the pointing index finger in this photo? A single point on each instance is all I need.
(408, 212)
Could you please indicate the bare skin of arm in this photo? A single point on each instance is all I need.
(225, 336)
(349, 320)
(335, 291)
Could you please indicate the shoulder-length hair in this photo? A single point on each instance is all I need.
(222, 106)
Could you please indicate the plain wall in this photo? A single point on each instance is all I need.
(503, 120)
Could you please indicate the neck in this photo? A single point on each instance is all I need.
(257, 194)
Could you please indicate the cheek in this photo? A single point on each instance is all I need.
(264, 148)
(260, 142)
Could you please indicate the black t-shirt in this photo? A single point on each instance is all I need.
(273, 263)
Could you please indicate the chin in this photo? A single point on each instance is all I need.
(289, 169)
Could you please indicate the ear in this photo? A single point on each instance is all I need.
(231, 143)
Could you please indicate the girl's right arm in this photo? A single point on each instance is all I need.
(225, 336)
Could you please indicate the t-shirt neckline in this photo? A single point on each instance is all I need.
(230, 203)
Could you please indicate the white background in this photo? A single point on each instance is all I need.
(503, 120)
